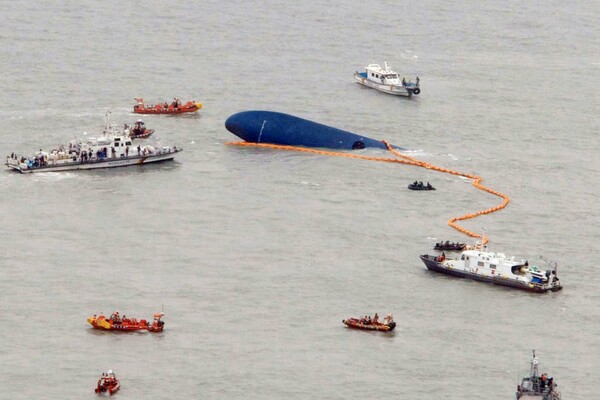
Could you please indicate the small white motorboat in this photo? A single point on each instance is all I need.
(386, 80)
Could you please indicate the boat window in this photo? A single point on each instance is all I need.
(493, 266)
(462, 257)
(128, 143)
(480, 263)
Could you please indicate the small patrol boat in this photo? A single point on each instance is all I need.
(535, 386)
(113, 148)
(498, 268)
(386, 80)
(123, 324)
(371, 324)
(108, 382)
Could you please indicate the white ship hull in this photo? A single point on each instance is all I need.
(396, 90)
(497, 275)
(69, 165)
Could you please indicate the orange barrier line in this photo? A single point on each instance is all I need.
(402, 159)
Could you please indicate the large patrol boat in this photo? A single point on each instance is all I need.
(498, 268)
(114, 148)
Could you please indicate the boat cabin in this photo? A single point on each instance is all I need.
(385, 75)
(475, 259)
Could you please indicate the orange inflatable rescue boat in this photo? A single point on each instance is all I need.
(108, 382)
(371, 324)
(175, 107)
(124, 324)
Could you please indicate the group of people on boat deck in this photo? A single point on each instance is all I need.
(448, 243)
(138, 128)
(367, 320)
(107, 379)
(420, 184)
(116, 318)
(404, 81)
(176, 103)
(110, 375)
(39, 160)
(543, 384)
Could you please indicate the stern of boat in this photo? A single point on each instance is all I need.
(413, 90)
(14, 164)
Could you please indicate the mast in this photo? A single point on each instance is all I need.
(482, 240)
(534, 366)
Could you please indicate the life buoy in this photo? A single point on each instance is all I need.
(416, 91)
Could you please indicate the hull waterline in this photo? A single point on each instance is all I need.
(106, 163)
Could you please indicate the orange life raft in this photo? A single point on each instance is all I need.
(116, 323)
(108, 383)
(166, 108)
(356, 323)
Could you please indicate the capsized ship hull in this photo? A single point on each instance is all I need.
(284, 129)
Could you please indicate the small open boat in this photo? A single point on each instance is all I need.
(108, 382)
(420, 186)
(368, 324)
(139, 130)
(175, 107)
(124, 324)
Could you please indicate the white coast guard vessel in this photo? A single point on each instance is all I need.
(114, 148)
(486, 266)
(387, 81)
(536, 386)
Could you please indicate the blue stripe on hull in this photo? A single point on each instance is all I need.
(284, 129)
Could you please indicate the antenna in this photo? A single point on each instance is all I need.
(483, 238)
(534, 365)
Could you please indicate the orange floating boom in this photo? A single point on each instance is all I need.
(402, 159)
